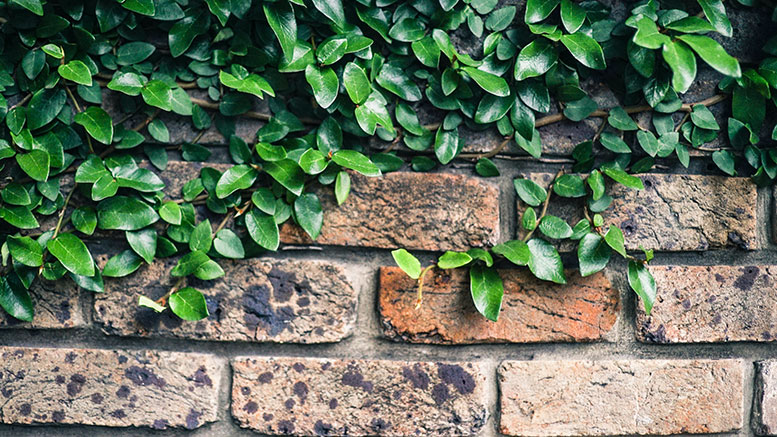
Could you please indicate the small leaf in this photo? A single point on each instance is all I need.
(642, 282)
(228, 245)
(122, 264)
(545, 262)
(614, 239)
(555, 227)
(342, 187)
(569, 185)
(35, 164)
(529, 192)
(15, 299)
(263, 229)
(713, 54)
(25, 250)
(593, 254)
(585, 49)
(234, 179)
(487, 290)
(143, 242)
(624, 178)
(452, 260)
(143, 301)
(355, 161)
(97, 123)
(491, 83)
(309, 215)
(356, 83)
(516, 251)
(72, 253)
(188, 304)
(407, 262)
(76, 71)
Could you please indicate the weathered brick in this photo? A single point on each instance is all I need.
(426, 211)
(765, 398)
(256, 300)
(674, 212)
(621, 397)
(57, 305)
(585, 309)
(308, 396)
(711, 304)
(109, 387)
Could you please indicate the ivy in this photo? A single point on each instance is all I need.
(330, 74)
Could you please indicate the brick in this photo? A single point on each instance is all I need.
(57, 305)
(674, 212)
(621, 397)
(257, 300)
(585, 309)
(697, 304)
(310, 396)
(765, 398)
(115, 388)
(424, 211)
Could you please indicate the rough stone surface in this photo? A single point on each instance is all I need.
(426, 211)
(622, 397)
(257, 300)
(308, 396)
(711, 304)
(109, 388)
(675, 212)
(585, 309)
(57, 305)
(765, 399)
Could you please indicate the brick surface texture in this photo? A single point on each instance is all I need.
(282, 396)
(765, 402)
(621, 397)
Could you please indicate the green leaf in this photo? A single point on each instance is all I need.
(144, 243)
(446, 145)
(395, 80)
(313, 162)
(555, 227)
(453, 260)
(585, 49)
(648, 36)
(487, 291)
(170, 212)
(569, 185)
(593, 254)
(355, 161)
(624, 178)
(280, 17)
(25, 250)
(356, 83)
(15, 299)
(84, 219)
(538, 10)
(486, 168)
(516, 251)
(491, 83)
(332, 9)
(72, 253)
(580, 109)
(134, 52)
(188, 263)
(724, 159)
(529, 192)
(228, 245)
(407, 262)
(703, 118)
(572, 15)
(159, 94)
(263, 229)
(713, 54)
(44, 107)
(184, 31)
(188, 304)
(342, 187)
(35, 164)
(683, 64)
(596, 182)
(91, 283)
(545, 262)
(287, 173)
(235, 178)
(614, 239)
(208, 271)
(19, 216)
(200, 238)
(127, 83)
(144, 7)
(122, 264)
(716, 13)
(36, 7)
(309, 215)
(324, 83)
(97, 123)
(426, 51)
(492, 108)
(329, 136)
(76, 71)
(125, 213)
(499, 19)
(642, 282)
(143, 301)
(620, 120)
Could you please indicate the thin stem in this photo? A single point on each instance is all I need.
(163, 300)
(21, 102)
(420, 297)
(545, 205)
(250, 114)
(62, 213)
(78, 108)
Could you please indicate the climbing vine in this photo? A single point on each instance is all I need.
(325, 76)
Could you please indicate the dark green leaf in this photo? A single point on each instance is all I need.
(263, 229)
(545, 261)
(72, 253)
(309, 215)
(188, 304)
(593, 254)
(642, 282)
(585, 49)
(97, 123)
(125, 213)
(487, 291)
(15, 299)
(25, 250)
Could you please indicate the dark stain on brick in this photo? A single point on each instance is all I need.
(160, 424)
(298, 367)
(58, 416)
(143, 377)
(458, 377)
(354, 378)
(201, 378)
(63, 314)
(747, 279)
(301, 390)
(417, 376)
(59, 379)
(267, 417)
(123, 392)
(303, 301)
(259, 311)
(97, 398)
(76, 384)
(440, 393)
(737, 240)
(265, 378)
(122, 359)
(687, 304)
(657, 336)
(7, 392)
(283, 284)
(251, 407)
(119, 414)
(333, 403)
(289, 404)
(25, 409)
(322, 428)
(379, 425)
(285, 427)
(70, 357)
(245, 391)
(193, 419)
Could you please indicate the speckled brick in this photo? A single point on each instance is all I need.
(621, 397)
(765, 398)
(57, 305)
(585, 309)
(697, 304)
(257, 300)
(115, 388)
(309, 396)
(674, 212)
(424, 211)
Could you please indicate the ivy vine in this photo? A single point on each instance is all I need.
(332, 74)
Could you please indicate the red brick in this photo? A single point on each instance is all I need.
(696, 304)
(310, 396)
(621, 397)
(585, 309)
(109, 387)
(57, 305)
(765, 398)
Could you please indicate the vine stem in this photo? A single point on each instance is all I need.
(544, 205)
(62, 214)
(21, 102)
(78, 108)
(420, 296)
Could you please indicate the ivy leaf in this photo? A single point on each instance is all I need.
(76, 71)
(529, 192)
(35, 164)
(19, 216)
(453, 260)
(128, 83)
(332, 9)
(170, 212)
(516, 251)
(44, 107)
(555, 227)
(614, 239)
(394, 79)
(491, 83)
(620, 120)
(446, 145)
(569, 185)
(134, 52)
(324, 83)
(487, 290)
(235, 178)
(624, 178)
(184, 31)
(716, 13)
(585, 49)
(72, 253)
(572, 15)
(642, 282)
(188, 304)
(287, 173)
(125, 213)
(309, 215)
(683, 64)
(263, 229)
(159, 94)
(538, 10)
(356, 161)
(407, 262)
(280, 16)
(15, 299)
(342, 187)
(724, 159)
(713, 54)
(200, 238)
(648, 36)
(144, 243)
(545, 262)
(356, 83)
(228, 245)
(97, 123)
(703, 118)
(593, 254)
(143, 7)
(25, 250)
(36, 7)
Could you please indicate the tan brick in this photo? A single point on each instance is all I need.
(696, 304)
(585, 309)
(765, 398)
(621, 397)
(675, 212)
(309, 396)
(257, 300)
(57, 305)
(109, 387)
(425, 211)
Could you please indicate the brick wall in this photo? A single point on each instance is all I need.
(324, 339)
